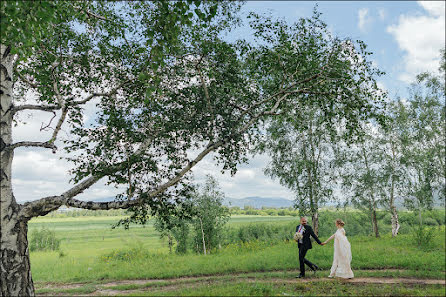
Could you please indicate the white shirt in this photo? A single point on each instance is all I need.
(301, 230)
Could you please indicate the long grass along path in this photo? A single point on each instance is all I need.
(276, 278)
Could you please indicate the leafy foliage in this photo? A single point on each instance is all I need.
(423, 140)
(166, 83)
(205, 215)
(300, 149)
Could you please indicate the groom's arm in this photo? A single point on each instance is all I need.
(315, 236)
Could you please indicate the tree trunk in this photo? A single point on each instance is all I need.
(202, 234)
(170, 242)
(420, 217)
(315, 219)
(372, 200)
(375, 223)
(395, 223)
(394, 219)
(15, 266)
(16, 277)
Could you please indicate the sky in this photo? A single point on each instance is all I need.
(404, 36)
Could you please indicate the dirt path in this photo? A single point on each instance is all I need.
(110, 288)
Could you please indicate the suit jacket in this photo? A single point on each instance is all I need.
(306, 242)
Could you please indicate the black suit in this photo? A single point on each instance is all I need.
(305, 246)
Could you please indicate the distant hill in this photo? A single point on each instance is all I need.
(106, 199)
(254, 201)
(278, 202)
(259, 202)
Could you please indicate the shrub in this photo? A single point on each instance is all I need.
(430, 222)
(423, 236)
(135, 251)
(43, 240)
(265, 232)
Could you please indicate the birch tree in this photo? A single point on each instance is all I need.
(169, 91)
(301, 158)
(359, 170)
(424, 146)
(391, 180)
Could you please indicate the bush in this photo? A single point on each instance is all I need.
(133, 253)
(265, 232)
(43, 240)
(430, 222)
(423, 236)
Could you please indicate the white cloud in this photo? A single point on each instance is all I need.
(382, 14)
(39, 173)
(248, 181)
(435, 8)
(421, 37)
(364, 19)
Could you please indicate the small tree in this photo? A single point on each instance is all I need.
(210, 216)
(174, 228)
(43, 240)
(358, 171)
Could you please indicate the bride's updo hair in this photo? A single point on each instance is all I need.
(340, 222)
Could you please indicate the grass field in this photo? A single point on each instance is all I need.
(92, 253)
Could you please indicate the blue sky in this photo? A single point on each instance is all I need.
(405, 37)
(371, 22)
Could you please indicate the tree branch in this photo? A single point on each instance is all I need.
(51, 108)
(59, 125)
(45, 205)
(48, 108)
(31, 144)
(25, 80)
(112, 92)
(93, 15)
(48, 125)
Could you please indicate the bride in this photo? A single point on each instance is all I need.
(342, 253)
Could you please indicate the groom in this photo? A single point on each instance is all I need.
(304, 245)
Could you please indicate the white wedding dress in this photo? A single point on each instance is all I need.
(342, 255)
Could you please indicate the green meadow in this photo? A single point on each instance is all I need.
(91, 253)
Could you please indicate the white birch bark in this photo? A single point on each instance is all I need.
(15, 266)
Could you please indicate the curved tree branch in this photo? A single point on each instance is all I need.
(48, 108)
(59, 125)
(45, 205)
(31, 144)
(52, 107)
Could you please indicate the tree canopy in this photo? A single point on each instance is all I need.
(169, 89)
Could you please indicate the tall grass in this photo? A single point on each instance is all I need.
(93, 251)
(136, 262)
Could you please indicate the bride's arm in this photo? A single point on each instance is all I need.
(330, 238)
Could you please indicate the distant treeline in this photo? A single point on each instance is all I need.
(431, 218)
(71, 213)
(356, 223)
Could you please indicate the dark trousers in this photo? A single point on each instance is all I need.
(302, 261)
